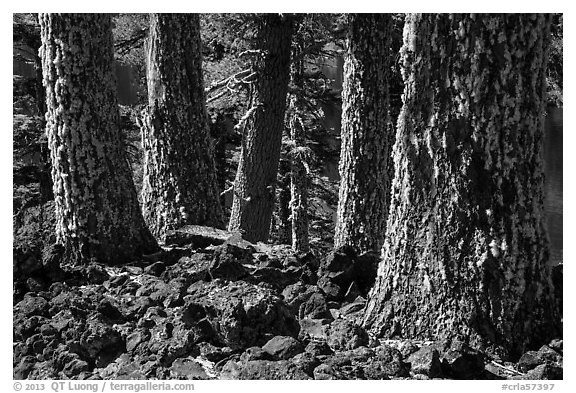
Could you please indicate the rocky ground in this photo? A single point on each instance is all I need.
(213, 306)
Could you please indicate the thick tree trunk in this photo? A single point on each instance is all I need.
(367, 134)
(254, 187)
(299, 177)
(179, 184)
(465, 251)
(97, 210)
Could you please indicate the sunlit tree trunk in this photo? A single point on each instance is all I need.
(299, 182)
(179, 184)
(465, 253)
(367, 134)
(97, 211)
(255, 184)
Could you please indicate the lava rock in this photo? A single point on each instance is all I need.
(255, 353)
(155, 269)
(344, 334)
(462, 362)
(96, 274)
(283, 347)
(331, 290)
(276, 278)
(544, 372)
(197, 236)
(272, 370)
(314, 308)
(100, 337)
(32, 305)
(187, 368)
(314, 329)
(318, 348)
(549, 355)
(387, 362)
(213, 353)
(296, 294)
(306, 362)
(192, 269)
(242, 314)
(136, 338)
(530, 360)
(227, 264)
(557, 345)
(426, 361)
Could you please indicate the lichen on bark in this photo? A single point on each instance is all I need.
(466, 251)
(179, 184)
(97, 211)
(367, 134)
(262, 125)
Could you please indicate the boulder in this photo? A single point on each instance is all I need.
(192, 269)
(227, 263)
(530, 360)
(318, 348)
(271, 370)
(543, 372)
(197, 236)
(426, 361)
(343, 335)
(387, 362)
(241, 314)
(296, 294)
(314, 308)
(306, 362)
(189, 369)
(283, 347)
(32, 305)
(462, 362)
(255, 353)
(314, 329)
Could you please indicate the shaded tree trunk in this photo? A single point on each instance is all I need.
(179, 184)
(284, 223)
(97, 211)
(255, 184)
(366, 134)
(466, 253)
(299, 182)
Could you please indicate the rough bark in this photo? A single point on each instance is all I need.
(97, 211)
(299, 182)
(284, 224)
(255, 184)
(466, 251)
(179, 186)
(366, 133)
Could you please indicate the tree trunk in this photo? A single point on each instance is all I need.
(97, 209)
(466, 252)
(283, 210)
(366, 134)
(179, 184)
(299, 176)
(254, 187)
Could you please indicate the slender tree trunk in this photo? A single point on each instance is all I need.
(465, 251)
(97, 210)
(179, 184)
(366, 134)
(299, 176)
(284, 222)
(255, 184)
